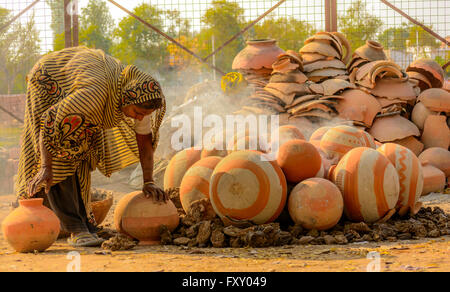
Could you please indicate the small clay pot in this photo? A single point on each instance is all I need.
(141, 217)
(31, 227)
(420, 113)
(372, 51)
(257, 55)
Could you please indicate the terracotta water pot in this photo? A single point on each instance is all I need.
(246, 185)
(438, 157)
(372, 51)
(257, 55)
(420, 113)
(195, 183)
(410, 176)
(141, 217)
(339, 140)
(433, 179)
(285, 134)
(299, 160)
(369, 183)
(436, 132)
(178, 166)
(316, 204)
(318, 134)
(31, 226)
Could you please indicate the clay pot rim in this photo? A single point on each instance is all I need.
(261, 41)
(374, 45)
(31, 202)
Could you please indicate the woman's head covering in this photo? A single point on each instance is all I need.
(138, 87)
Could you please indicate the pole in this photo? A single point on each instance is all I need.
(67, 24)
(75, 24)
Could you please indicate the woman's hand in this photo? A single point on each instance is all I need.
(44, 176)
(151, 190)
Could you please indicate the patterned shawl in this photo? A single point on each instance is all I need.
(75, 97)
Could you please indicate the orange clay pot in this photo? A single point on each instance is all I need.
(195, 183)
(257, 55)
(433, 179)
(340, 139)
(141, 218)
(287, 133)
(436, 132)
(299, 160)
(318, 134)
(438, 157)
(430, 69)
(316, 203)
(101, 209)
(246, 186)
(178, 166)
(410, 176)
(31, 226)
(436, 99)
(369, 183)
(371, 51)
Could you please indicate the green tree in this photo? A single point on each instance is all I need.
(295, 32)
(96, 26)
(136, 43)
(418, 37)
(223, 20)
(57, 23)
(19, 50)
(359, 25)
(395, 37)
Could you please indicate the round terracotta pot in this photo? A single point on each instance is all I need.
(195, 183)
(433, 179)
(369, 183)
(318, 134)
(316, 204)
(178, 166)
(299, 160)
(430, 69)
(410, 176)
(31, 226)
(371, 51)
(436, 99)
(337, 141)
(436, 132)
(245, 185)
(438, 157)
(141, 218)
(257, 55)
(420, 113)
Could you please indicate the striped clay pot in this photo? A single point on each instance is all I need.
(318, 134)
(316, 204)
(337, 141)
(299, 160)
(369, 184)
(195, 183)
(178, 166)
(368, 140)
(245, 186)
(410, 176)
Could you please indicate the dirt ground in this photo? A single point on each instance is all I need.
(409, 255)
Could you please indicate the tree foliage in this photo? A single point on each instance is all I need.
(359, 25)
(19, 50)
(96, 26)
(295, 32)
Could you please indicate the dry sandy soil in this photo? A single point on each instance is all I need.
(410, 255)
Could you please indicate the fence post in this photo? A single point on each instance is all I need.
(331, 15)
(75, 25)
(67, 24)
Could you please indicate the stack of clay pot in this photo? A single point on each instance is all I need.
(325, 56)
(427, 73)
(430, 116)
(371, 51)
(255, 61)
(388, 83)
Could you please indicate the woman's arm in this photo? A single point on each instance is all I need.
(45, 174)
(146, 154)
